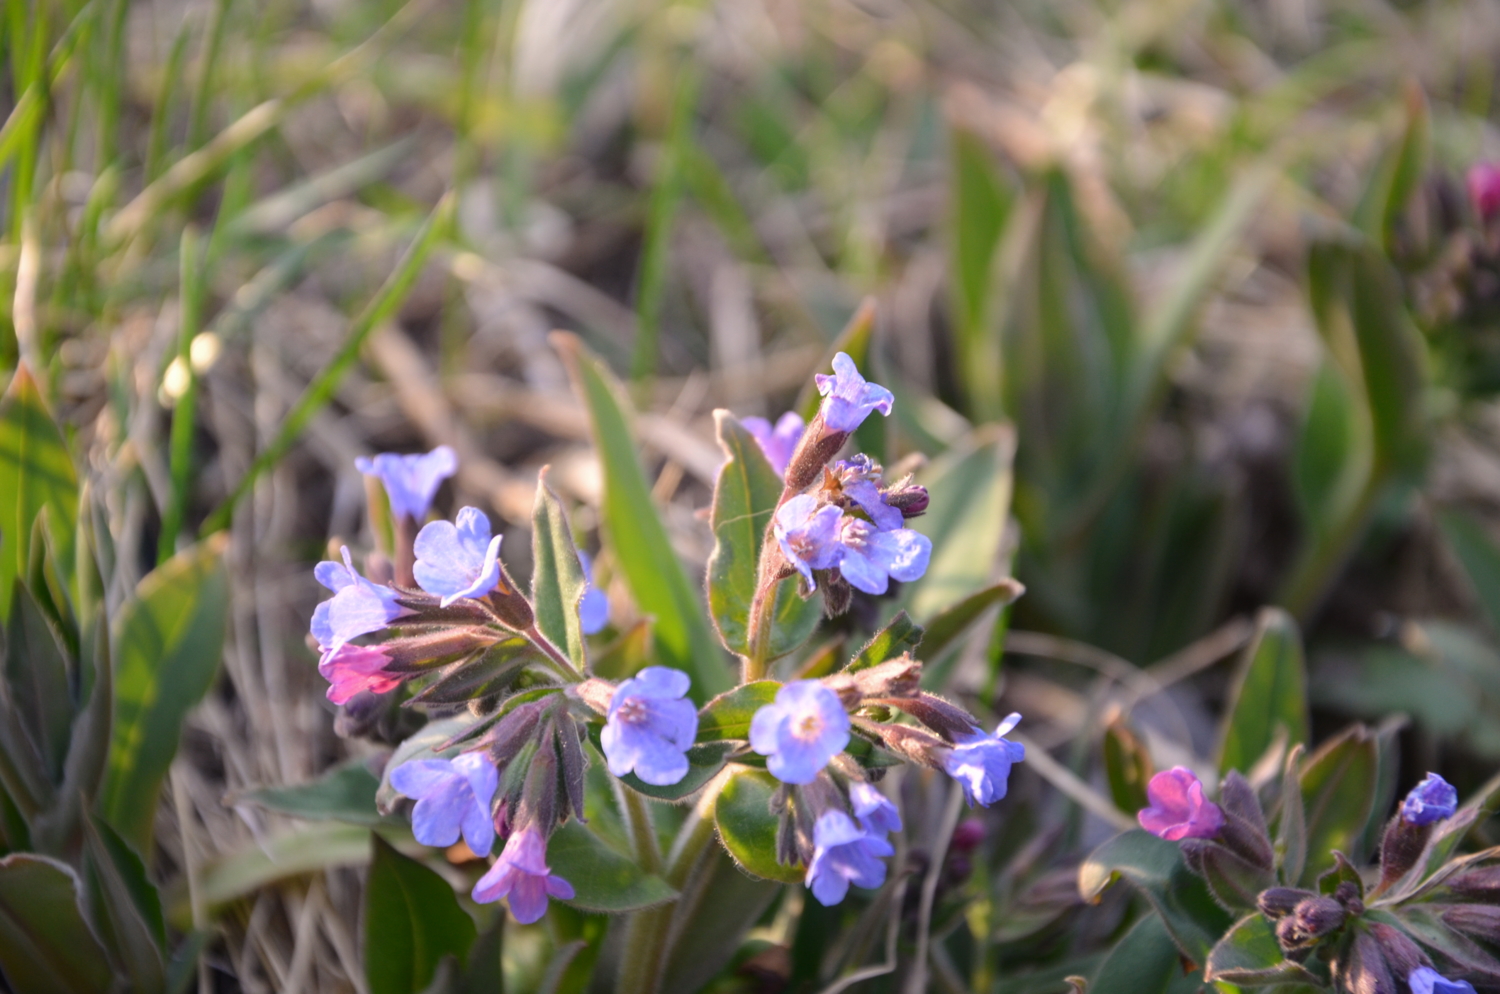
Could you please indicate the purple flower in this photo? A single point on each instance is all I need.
(593, 607)
(848, 398)
(458, 561)
(857, 478)
(981, 763)
(521, 873)
(351, 669)
(801, 731)
(1484, 188)
(873, 809)
(777, 443)
(872, 558)
(357, 607)
(844, 854)
(1178, 808)
(1426, 980)
(650, 726)
(808, 534)
(410, 481)
(452, 795)
(1430, 801)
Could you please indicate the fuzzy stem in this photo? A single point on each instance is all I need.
(648, 932)
(564, 666)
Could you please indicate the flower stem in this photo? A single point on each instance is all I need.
(542, 642)
(648, 932)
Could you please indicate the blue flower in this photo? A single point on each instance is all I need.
(1426, 980)
(777, 443)
(801, 731)
(650, 726)
(411, 481)
(452, 796)
(357, 607)
(872, 558)
(981, 763)
(857, 478)
(1430, 801)
(593, 607)
(844, 854)
(461, 561)
(808, 534)
(521, 874)
(873, 809)
(848, 398)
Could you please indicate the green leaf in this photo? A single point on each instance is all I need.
(36, 472)
(1155, 867)
(948, 624)
(1145, 961)
(602, 879)
(125, 906)
(970, 490)
(412, 920)
(1427, 927)
(1397, 174)
(345, 793)
(557, 581)
(651, 567)
(1336, 796)
(1250, 956)
(748, 828)
(1333, 452)
(1291, 822)
(745, 496)
(38, 680)
(728, 905)
(980, 204)
(1477, 553)
(308, 849)
(46, 946)
(1269, 698)
(168, 643)
(727, 717)
(900, 635)
(1127, 767)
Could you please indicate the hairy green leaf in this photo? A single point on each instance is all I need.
(46, 945)
(1269, 697)
(747, 827)
(36, 472)
(412, 920)
(728, 716)
(557, 581)
(602, 879)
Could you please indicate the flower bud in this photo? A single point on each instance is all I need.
(818, 446)
(1430, 801)
(512, 732)
(1401, 954)
(1312, 919)
(573, 764)
(1244, 830)
(900, 677)
(511, 607)
(913, 744)
(1481, 882)
(1400, 848)
(907, 497)
(594, 692)
(362, 715)
(539, 795)
(1278, 902)
(1362, 969)
(944, 717)
(837, 594)
(1482, 921)
(418, 653)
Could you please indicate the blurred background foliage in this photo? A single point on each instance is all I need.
(1205, 268)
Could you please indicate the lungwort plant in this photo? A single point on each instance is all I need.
(556, 762)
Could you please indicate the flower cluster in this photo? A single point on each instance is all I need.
(1351, 930)
(437, 621)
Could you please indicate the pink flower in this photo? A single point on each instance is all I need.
(521, 873)
(1178, 808)
(350, 669)
(1484, 188)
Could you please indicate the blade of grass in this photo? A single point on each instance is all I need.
(385, 303)
(184, 411)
